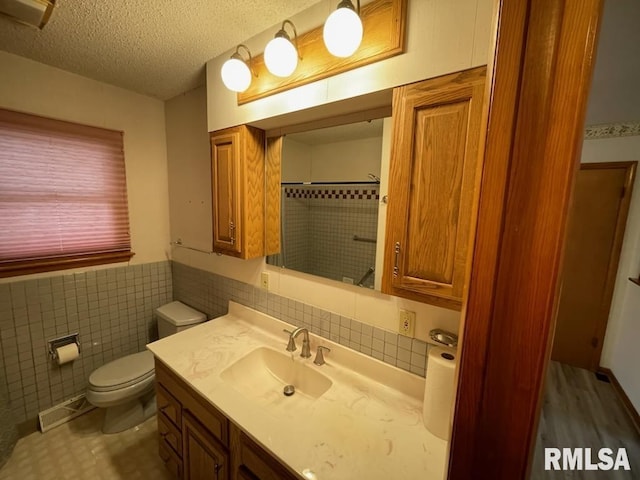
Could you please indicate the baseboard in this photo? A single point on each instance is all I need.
(628, 406)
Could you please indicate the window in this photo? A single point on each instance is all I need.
(63, 195)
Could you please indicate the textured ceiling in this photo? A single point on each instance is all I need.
(155, 48)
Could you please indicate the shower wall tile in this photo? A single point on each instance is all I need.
(320, 223)
(210, 293)
(111, 309)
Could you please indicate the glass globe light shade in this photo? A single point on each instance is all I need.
(236, 75)
(342, 32)
(281, 57)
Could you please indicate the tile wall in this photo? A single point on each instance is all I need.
(112, 309)
(319, 226)
(210, 293)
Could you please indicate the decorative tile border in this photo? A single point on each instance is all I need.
(612, 130)
(333, 193)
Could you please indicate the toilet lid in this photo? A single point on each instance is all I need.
(123, 372)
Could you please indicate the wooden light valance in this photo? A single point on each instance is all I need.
(383, 37)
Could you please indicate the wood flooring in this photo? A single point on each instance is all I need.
(581, 411)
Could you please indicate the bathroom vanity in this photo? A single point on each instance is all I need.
(222, 413)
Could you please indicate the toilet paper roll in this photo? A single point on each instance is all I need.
(439, 391)
(67, 353)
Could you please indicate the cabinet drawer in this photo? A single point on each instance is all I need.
(169, 406)
(213, 420)
(178, 397)
(244, 474)
(170, 459)
(169, 434)
(259, 463)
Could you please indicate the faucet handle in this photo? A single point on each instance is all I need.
(319, 360)
(291, 346)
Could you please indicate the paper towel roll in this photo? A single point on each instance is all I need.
(439, 391)
(67, 353)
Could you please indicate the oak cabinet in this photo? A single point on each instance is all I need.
(433, 187)
(253, 462)
(238, 191)
(203, 457)
(198, 442)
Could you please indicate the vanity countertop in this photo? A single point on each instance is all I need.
(367, 425)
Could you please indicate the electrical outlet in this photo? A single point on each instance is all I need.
(264, 280)
(407, 323)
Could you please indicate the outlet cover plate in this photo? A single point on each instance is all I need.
(264, 280)
(407, 323)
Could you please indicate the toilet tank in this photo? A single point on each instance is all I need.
(175, 317)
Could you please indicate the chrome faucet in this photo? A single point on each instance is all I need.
(319, 360)
(291, 346)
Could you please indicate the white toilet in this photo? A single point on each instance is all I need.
(125, 387)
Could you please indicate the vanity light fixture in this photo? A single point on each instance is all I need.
(281, 55)
(342, 31)
(236, 74)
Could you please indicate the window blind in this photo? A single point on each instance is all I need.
(63, 191)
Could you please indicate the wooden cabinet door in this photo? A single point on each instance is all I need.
(434, 175)
(251, 462)
(203, 457)
(225, 171)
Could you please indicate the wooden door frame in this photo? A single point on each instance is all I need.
(539, 79)
(616, 248)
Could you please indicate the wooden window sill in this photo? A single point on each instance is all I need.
(26, 267)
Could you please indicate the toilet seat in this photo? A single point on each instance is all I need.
(123, 372)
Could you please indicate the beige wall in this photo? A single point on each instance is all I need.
(348, 161)
(189, 169)
(36, 88)
(443, 36)
(296, 164)
(365, 305)
(620, 351)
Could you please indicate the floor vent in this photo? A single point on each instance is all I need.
(63, 412)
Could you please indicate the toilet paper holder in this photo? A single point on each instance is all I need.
(61, 342)
(443, 337)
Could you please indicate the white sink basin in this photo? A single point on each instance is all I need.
(263, 373)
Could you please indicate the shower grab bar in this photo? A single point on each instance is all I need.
(357, 238)
(366, 276)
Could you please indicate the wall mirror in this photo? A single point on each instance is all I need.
(332, 213)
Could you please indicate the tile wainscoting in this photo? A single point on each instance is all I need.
(112, 309)
(210, 293)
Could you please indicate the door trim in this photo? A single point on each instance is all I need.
(614, 260)
(540, 78)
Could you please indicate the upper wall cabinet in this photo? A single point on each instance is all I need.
(434, 177)
(238, 185)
